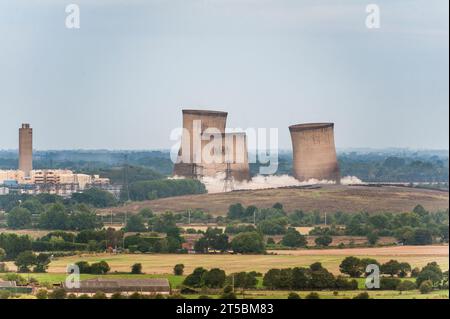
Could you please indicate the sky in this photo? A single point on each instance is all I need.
(121, 80)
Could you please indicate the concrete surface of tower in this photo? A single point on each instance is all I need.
(26, 149)
(197, 123)
(314, 152)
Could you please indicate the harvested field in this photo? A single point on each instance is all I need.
(417, 256)
(328, 198)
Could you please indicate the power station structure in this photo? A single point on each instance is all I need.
(314, 152)
(206, 148)
(26, 149)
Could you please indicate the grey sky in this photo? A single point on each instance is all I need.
(121, 80)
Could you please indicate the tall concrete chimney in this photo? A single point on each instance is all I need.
(314, 152)
(26, 149)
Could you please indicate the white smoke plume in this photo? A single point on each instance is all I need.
(216, 184)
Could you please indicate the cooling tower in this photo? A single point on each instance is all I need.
(236, 153)
(314, 152)
(202, 158)
(193, 161)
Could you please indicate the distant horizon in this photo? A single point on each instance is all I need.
(280, 149)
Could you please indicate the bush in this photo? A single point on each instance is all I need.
(294, 295)
(117, 295)
(389, 283)
(362, 295)
(42, 294)
(99, 295)
(4, 294)
(312, 295)
(426, 287)
(136, 269)
(323, 241)
(293, 238)
(58, 293)
(406, 285)
(178, 270)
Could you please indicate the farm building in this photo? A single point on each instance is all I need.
(13, 288)
(125, 286)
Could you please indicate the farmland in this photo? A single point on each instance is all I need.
(330, 258)
(328, 198)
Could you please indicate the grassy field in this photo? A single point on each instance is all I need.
(260, 293)
(160, 264)
(387, 294)
(54, 278)
(329, 198)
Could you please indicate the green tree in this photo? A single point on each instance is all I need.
(135, 223)
(18, 218)
(293, 295)
(215, 278)
(95, 197)
(195, 279)
(14, 244)
(244, 280)
(178, 270)
(352, 267)
(372, 238)
(236, 211)
(100, 268)
(431, 272)
(25, 260)
(426, 287)
(272, 278)
(391, 268)
(55, 217)
(136, 269)
(248, 243)
(41, 263)
(2, 254)
(293, 238)
(324, 240)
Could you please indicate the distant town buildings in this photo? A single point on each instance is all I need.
(25, 180)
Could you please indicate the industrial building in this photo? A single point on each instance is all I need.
(125, 286)
(314, 152)
(197, 158)
(62, 182)
(26, 149)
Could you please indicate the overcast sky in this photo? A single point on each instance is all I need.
(122, 79)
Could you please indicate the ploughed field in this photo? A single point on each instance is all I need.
(159, 264)
(328, 198)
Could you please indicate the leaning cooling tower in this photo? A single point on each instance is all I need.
(192, 161)
(201, 159)
(314, 152)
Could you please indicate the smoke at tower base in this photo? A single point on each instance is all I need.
(215, 184)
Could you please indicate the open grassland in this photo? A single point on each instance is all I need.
(417, 256)
(328, 198)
